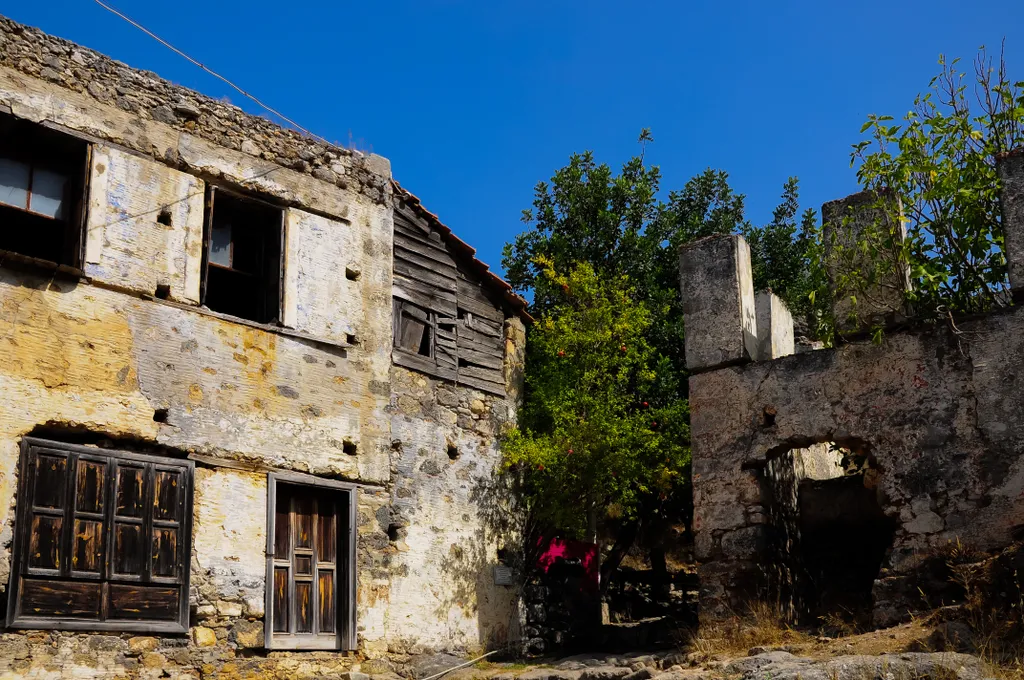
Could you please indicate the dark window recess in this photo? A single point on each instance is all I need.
(414, 329)
(310, 576)
(43, 178)
(242, 259)
(102, 540)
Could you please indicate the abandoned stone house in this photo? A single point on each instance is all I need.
(826, 479)
(251, 389)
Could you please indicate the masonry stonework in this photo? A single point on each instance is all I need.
(122, 356)
(917, 442)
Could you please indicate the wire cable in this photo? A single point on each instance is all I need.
(213, 73)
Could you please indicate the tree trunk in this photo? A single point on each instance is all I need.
(623, 542)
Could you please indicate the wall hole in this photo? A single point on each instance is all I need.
(163, 291)
(164, 217)
(352, 274)
(160, 415)
(453, 452)
(351, 339)
(393, 532)
(349, 447)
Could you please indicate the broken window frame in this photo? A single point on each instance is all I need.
(345, 579)
(271, 277)
(104, 578)
(42, 147)
(404, 309)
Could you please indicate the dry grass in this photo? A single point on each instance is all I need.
(762, 626)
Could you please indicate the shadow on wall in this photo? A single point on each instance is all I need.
(474, 569)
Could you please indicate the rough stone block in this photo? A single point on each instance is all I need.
(204, 637)
(1010, 167)
(718, 302)
(847, 221)
(774, 327)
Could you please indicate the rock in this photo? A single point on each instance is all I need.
(426, 665)
(249, 147)
(354, 675)
(204, 637)
(785, 666)
(164, 114)
(377, 666)
(140, 645)
(478, 407)
(248, 634)
(643, 673)
(549, 674)
(153, 660)
(604, 673)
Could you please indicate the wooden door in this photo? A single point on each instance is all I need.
(307, 533)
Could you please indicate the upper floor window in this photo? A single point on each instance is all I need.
(43, 176)
(242, 263)
(102, 540)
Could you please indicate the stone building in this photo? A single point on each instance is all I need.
(252, 390)
(826, 479)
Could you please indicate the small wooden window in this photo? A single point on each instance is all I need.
(310, 564)
(43, 185)
(242, 266)
(102, 540)
(414, 329)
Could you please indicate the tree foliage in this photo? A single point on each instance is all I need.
(612, 238)
(939, 162)
(593, 434)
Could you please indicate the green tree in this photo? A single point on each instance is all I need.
(940, 164)
(588, 218)
(593, 437)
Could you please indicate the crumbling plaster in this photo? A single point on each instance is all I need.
(99, 356)
(938, 409)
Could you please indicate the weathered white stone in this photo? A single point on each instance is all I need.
(774, 327)
(718, 302)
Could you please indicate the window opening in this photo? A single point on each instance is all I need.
(310, 567)
(243, 257)
(102, 540)
(43, 178)
(414, 329)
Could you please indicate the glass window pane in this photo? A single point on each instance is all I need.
(220, 245)
(48, 193)
(13, 183)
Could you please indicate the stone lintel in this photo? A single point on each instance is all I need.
(718, 302)
(774, 327)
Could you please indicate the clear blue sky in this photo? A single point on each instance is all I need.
(474, 101)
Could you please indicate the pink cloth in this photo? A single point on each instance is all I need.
(567, 549)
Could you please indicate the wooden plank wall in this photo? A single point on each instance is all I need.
(469, 347)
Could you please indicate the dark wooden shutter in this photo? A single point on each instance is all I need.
(102, 540)
(77, 223)
(211, 194)
(310, 580)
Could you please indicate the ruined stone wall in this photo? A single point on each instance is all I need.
(936, 415)
(98, 358)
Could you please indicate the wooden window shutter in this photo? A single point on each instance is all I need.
(310, 600)
(211, 194)
(102, 540)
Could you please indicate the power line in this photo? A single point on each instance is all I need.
(213, 73)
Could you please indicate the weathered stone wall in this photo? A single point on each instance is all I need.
(940, 412)
(445, 451)
(98, 358)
